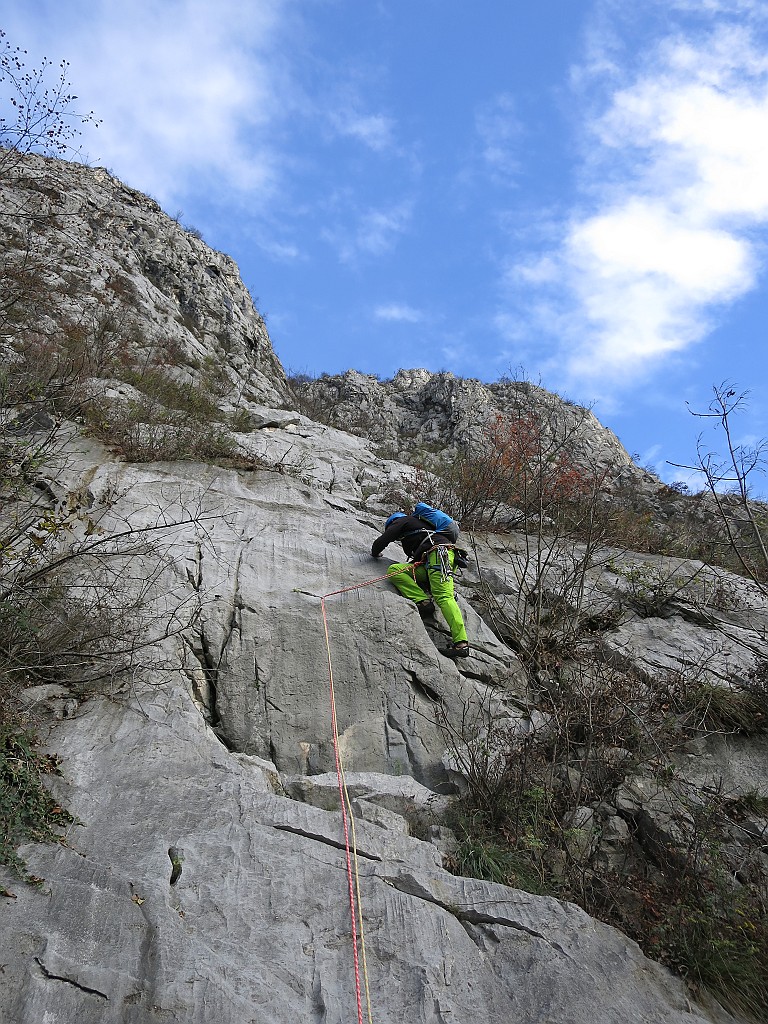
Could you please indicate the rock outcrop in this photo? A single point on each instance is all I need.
(205, 877)
(212, 755)
(418, 414)
(119, 271)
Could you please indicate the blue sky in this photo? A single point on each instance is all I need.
(577, 189)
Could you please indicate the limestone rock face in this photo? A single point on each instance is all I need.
(256, 926)
(132, 277)
(206, 879)
(418, 413)
(196, 887)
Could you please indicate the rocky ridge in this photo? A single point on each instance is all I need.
(118, 269)
(418, 414)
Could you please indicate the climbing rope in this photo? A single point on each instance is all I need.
(345, 815)
(353, 873)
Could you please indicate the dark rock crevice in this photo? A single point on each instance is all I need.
(317, 837)
(51, 976)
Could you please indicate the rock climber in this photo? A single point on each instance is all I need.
(430, 583)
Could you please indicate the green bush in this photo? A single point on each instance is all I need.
(720, 709)
(483, 853)
(712, 933)
(146, 431)
(164, 390)
(28, 812)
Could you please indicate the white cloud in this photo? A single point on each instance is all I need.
(676, 180)
(456, 354)
(703, 118)
(400, 314)
(281, 252)
(186, 89)
(376, 233)
(644, 241)
(538, 270)
(499, 131)
(745, 8)
(374, 130)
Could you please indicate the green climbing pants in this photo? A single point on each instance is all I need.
(428, 581)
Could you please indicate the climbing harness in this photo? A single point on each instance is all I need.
(443, 561)
(350, 846)
(443, 558)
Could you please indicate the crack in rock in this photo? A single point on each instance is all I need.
(316, 837)
(478, 935)
(422, 689)
(465, 915)
(69, 981)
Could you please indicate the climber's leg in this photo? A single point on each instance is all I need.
(445, 598)
(402, 576)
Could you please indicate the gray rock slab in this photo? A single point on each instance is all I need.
(661, 646)
(380, 816)
(258, 566)
(729, 764)
(257, 925)
(401, 794)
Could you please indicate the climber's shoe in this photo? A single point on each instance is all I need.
(426, 608)
(457, 650)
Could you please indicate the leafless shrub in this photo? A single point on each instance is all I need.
(586, 804)
(729, 479)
